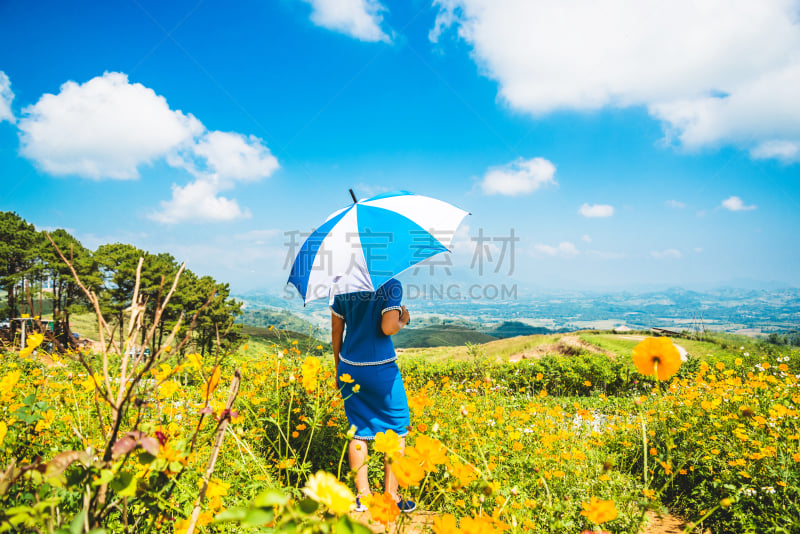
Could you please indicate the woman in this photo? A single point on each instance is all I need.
(367, 354)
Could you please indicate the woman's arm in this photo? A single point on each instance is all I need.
(392, 324)
(337, 335)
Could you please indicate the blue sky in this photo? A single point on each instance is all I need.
(627, 144)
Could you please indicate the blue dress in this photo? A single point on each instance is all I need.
(368, 356)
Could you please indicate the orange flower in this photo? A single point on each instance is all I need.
(445, 524)
(429, 452)
(408, 471)
(346, 378)
(382, 507)
(657, 356)
(599, 511)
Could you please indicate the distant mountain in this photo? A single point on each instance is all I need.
(508, 329)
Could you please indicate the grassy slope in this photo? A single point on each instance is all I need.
(502, 348)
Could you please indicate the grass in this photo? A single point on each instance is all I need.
(502, 348)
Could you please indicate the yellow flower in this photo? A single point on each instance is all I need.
(194, 361)
(47, 419)
(310, 368)
(3, 431)
(7, 385)
(387, 443)
(346, 378)
(31, 342)
(356, 388)
(587, 383)
(168, 389)
(382, 508)
(598, 511)
(326, 489)
(657, 356)
(215, 491)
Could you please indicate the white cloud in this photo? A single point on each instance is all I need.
(586, 238)
(783, 150)
(596, 210)
(357, 18)
(109, 128)
(6, 97)
(698, 249)
(674, 204)
(104, 128)
(669, 253)
(565, 249)
(715, 72)
(519, 177)
(736, 204)
(232, 156)
(196, 202)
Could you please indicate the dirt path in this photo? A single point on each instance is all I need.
(414, 523)
(666, 524)
(567, 344)
(420, 522)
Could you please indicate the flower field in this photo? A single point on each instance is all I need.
(254, 441)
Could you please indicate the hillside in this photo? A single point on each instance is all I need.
(438, 336)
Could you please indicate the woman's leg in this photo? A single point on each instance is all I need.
(389, 480)
(357, 454)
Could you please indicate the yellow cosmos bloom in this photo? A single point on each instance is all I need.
(382, 508)
(7, 385)
(214, 492)
(31, 342)
(168, 389)
(598, 511)
(310, 368)
(3, 431)
(326, 489)
(387, 443)
(657, 356)
(346, 378)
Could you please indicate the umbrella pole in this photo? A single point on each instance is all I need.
(354, 197)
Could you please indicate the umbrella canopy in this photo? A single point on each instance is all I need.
(362, 246)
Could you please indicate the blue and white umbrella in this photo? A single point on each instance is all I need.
(362, 246)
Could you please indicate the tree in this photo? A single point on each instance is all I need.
(17, 241)
(67, 296)
(117, 264)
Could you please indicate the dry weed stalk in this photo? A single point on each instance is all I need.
(134, 364)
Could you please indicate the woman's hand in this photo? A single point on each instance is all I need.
(392, 324)
(405, 317)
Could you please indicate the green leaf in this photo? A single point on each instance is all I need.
(271, 497)
(308, 506)
(106, 476)
(122, 481)
(347, 525)
(231, 514)
(76, 525)
(256, 517)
